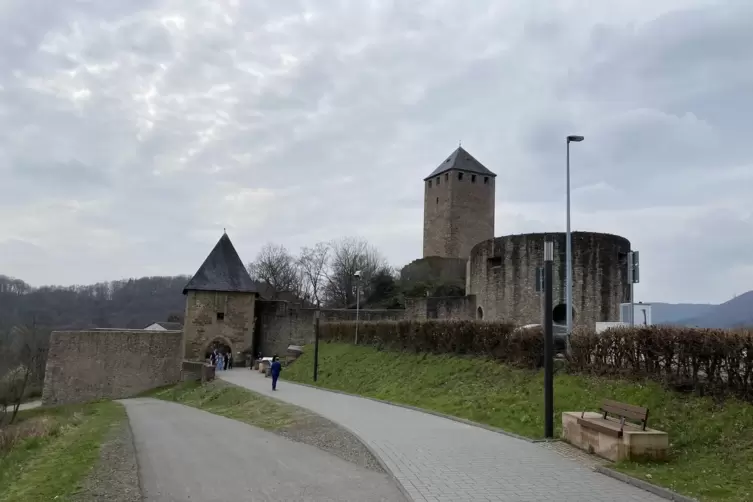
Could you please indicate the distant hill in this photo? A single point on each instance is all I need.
(730, 314)
(669, 313)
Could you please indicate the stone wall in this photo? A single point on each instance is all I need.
(502, 274)
(109, 364)
(451, 308)
(282, 323)
(458, 213)
(216, 316)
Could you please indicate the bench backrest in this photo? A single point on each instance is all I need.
(624, 410)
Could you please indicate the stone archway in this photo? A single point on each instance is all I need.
(221, 343)
(480, 313)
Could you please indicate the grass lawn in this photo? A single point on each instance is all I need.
(55, 451)
(711, 443)
(231, 401)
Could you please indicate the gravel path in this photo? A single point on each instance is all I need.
(325, 434)
(186, 454)
(115, 477)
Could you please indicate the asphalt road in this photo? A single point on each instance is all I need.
(186, 454)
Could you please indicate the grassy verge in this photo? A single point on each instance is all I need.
(49, 452)
(711, 443)
(233, 402)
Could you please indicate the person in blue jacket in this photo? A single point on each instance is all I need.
(275, 369)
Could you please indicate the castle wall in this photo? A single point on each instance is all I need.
(202, 324)
(502, 274)
(454, 308)
(109, 364)
(458, 213)
(283, 323)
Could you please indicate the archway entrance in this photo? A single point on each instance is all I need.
(480, 313)
(220, 353)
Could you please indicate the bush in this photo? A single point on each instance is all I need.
(706, 361)
(497, 340)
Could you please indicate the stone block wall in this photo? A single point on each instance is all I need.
(458, 213)
(217, 316)
(282, 323)
(450, 308)
(502, 274)
(109, 364)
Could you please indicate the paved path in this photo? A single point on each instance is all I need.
(437, 459)
(187, 454)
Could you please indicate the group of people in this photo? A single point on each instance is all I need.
(220, 360)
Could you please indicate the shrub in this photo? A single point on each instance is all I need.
(498, 340)
(705, 361)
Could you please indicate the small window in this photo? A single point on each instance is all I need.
(460, 176)
(437, 200)
(446, 176)
(429, 183)
(473, 178)
(438, 179)
(486, 180)
(220, 316)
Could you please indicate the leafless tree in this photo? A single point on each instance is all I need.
(20, 360)
(277, 268)
(350, 255)
(313, 264)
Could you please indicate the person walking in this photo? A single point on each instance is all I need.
(275, 369)
(229, 360)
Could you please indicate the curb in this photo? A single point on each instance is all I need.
(366, 445)
(644, 485)
(429, 412)
(638, 483)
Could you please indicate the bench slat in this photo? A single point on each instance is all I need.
(625, 410)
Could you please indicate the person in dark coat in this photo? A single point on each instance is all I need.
(230, 360)
(275, 370)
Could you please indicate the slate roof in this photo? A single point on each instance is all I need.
(462, 161)
(223, 270)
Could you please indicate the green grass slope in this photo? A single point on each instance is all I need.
(711, 443)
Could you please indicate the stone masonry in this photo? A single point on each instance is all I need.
(109, 364)
(217, 316)
(458, 207)
(503, 273)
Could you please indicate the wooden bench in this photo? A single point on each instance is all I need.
(622, 412)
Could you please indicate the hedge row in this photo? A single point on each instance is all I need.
(712, 361)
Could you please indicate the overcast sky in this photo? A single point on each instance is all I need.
(133, 131)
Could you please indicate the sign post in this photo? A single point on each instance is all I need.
(316, 344)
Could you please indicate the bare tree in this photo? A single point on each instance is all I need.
(277, 268)
(350, 255)
(19, 369)
(313, 263)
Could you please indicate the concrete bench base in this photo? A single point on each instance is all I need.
(634, 443)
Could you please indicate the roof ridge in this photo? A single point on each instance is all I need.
(460, 159)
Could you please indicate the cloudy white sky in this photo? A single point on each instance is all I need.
(133, 131)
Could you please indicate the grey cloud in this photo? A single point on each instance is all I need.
(301, 121)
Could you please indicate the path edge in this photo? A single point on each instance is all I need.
(366, 445)
(429, 412)
(606, 471)
(659, 491)
(142, 496)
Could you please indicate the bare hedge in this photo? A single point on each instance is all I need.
(706, 361)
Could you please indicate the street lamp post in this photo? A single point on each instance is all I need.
(568, 245)
(548, 342)
(358, 299)
(316, 344)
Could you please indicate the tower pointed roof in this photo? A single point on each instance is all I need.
(223, 270)
(462, 161)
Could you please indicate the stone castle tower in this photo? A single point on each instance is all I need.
(458, 206)
(220, 300)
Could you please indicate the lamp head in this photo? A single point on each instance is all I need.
(575, 139)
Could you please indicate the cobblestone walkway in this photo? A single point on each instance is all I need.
(437, 459)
